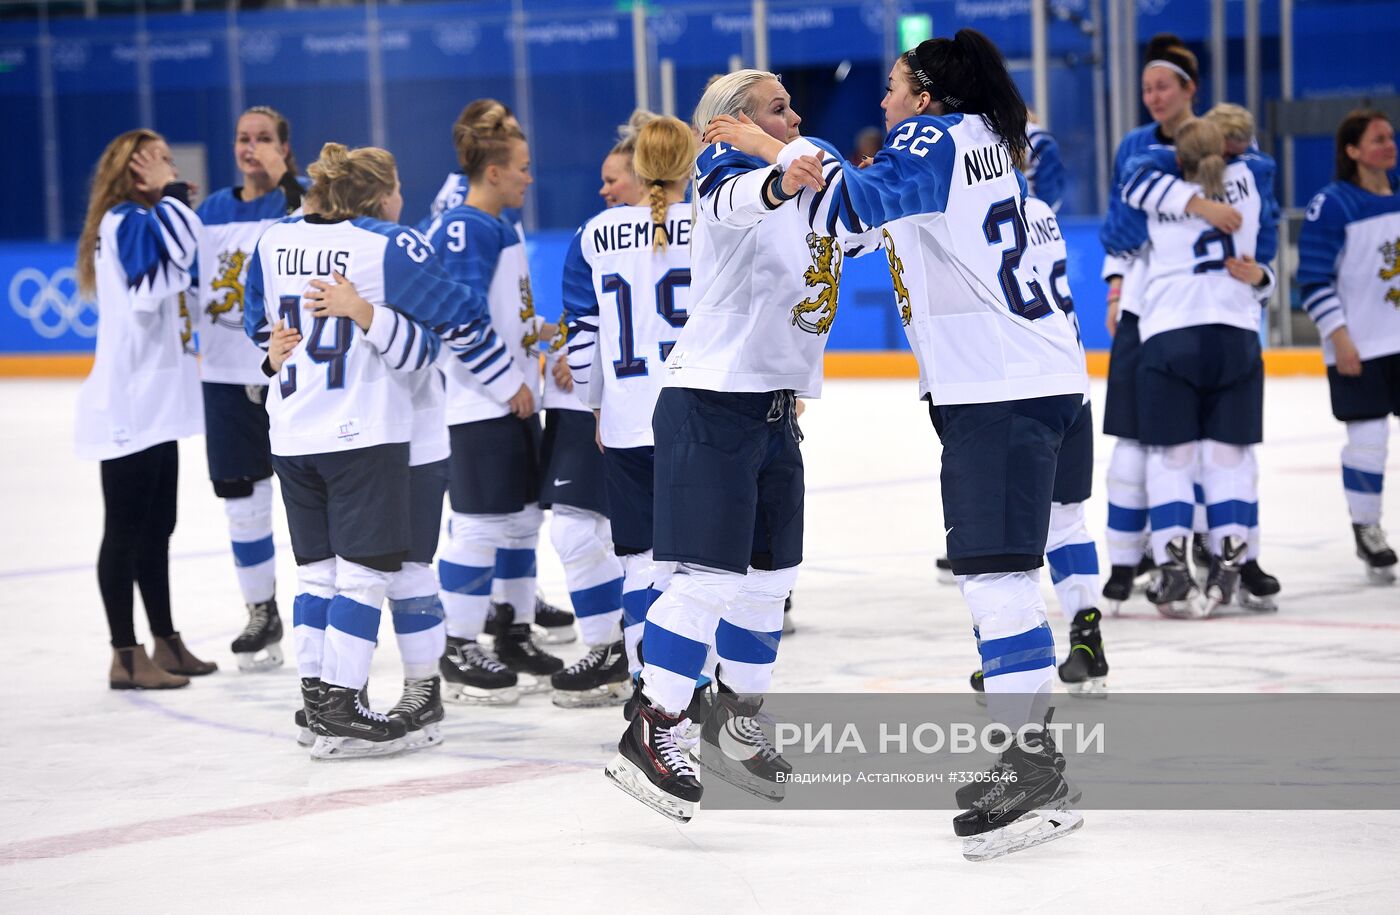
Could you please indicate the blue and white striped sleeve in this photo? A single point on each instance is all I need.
(405, 345)
(1320, 247)
(729, 186)
(157, 247)
(580, 321)
(1153, 186)
(907, 177)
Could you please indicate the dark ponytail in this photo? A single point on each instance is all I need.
(968, 75)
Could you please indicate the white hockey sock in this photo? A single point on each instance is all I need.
(352, 624)
(1363, 468)
(749, 629)
(418, 619)
(592, 572)
(1015, 642)
(1232, 502)
(250, 531)
(466, 566)
(315, 590)
(1169, 492)
(643, 583)
(680, 630)
(1073, 559)
(1127, 503)
(515, 561)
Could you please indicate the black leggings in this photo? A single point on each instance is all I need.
(139, 493)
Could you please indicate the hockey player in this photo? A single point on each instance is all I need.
(235, 389)
(626, 291)
(727, 463)
(341, 419)
(1045, 170)
(1349, 258)
(135, 254)
(494, 484)
(946, 189)
(1202, 374)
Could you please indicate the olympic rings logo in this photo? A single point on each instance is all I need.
(52, 305)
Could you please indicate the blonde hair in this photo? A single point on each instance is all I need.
(112, 183)
(626, 144)
(665, 154)
(351, 182)
(483, 134)
(1234, 121)
(1200, 147)
(729, 94)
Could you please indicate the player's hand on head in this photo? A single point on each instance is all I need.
(339, 300)
(744, 135)
(151, 170)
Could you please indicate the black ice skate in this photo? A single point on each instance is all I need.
(697, 712)
(348, 730)
(1122, 580)
(305, 717)
(968, 794)
(1372, 549)
(653, 765)
(1025, 802)
(420, 709)
(734, 747)
(1085, 671)
(1201, 556)
(1224, 577)
(1175, 592)
(258, 647)
(553, 625)
(596, 680)
(944, 565)
(470, 676)
(515, 648)
(1258, 589)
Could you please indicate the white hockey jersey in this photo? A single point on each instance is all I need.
(485, 252)
(981, 325)
(1187, 284)
(232, 228)
(335, 394)
(624, 307)
(765, 283)
(144, 386)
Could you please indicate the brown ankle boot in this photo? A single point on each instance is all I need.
(172, 655)
(132, 668)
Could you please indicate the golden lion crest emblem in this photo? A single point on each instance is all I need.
(901, 292)
(186, 326)
(527, 313)
(1390, 254)
(228, 311)
(815, 314)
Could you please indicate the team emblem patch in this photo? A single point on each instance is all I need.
(901, 292)
(815, 314)
(527, 314)
(228, 310)
(187, 324)
(1390, 269)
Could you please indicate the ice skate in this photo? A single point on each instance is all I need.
(171, 656)
(945, 571)
(1201, 557)
(1257, 590)
(1175, 592)
(345, 729)
(420, 709)
(1025, 803)
(515, 648)
(1224, 577)
(595, 680)
(553, 625)
(1123, 580)
(1372, 549)
(305, 717)
(1085, 671)
(734, 747)
(470, 676)
(258, 647)
(653, 765)
(968, 794)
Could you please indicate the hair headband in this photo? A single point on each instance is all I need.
(926, 84)
(1172, 67)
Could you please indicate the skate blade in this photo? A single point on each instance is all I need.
(599, 697)
(1380, 575)
(625, 776)
(1033, 829)
(429, 735)
(329, 748)
(1247, 601)
(255, 662)
(1092, 688)
(531, 685)
(470, 695)
(559, 635)
(739, 777)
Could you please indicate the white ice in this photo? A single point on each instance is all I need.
(199, 799)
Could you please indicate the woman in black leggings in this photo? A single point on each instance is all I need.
(136, 249)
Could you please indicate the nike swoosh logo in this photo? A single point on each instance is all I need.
(947, 532)
(559, 482)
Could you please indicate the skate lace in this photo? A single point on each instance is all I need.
(1373, 539)
(994, 794)
(371, 714)
(751, 729)
(416, 694)
(673, 743)
(257, 620)
(475, 656)
(593, 659)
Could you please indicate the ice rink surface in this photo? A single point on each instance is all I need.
(200, 800)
